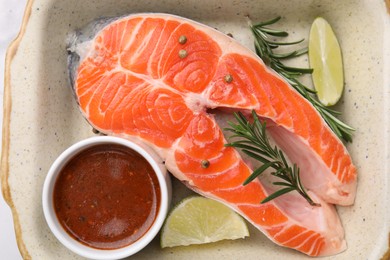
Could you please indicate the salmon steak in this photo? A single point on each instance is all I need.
(158, 77)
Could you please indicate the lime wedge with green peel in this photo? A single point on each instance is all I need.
(326, 60)
(198, 220)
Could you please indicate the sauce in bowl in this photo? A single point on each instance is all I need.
(107, 196)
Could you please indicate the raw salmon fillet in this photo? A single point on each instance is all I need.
(138, 78)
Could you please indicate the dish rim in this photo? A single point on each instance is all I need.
(7, 106)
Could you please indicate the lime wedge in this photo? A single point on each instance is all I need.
(326, 61)
(198, 220)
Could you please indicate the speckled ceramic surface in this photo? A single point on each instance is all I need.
(41, 118)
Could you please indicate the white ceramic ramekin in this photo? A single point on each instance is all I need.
(81, 249)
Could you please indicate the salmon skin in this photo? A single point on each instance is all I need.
(154, 76)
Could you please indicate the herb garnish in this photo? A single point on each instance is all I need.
(254, 142)
(265, 50)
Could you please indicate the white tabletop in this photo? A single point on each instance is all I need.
(11, 13)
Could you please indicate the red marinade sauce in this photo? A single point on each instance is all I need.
(107, 196)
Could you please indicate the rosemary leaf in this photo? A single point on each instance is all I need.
(299, 71)
(301, 51)
(277, 194)
(288, 55)
(272, 21)
(282, 184)
(284, 43)
(274, 32)
(251, 151)
(256, 156)
(257, 172)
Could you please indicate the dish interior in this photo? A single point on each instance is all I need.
(44, 118)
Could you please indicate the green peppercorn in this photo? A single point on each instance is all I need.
(228, 78)
(183, 54)
(182, 39)
(205, 164)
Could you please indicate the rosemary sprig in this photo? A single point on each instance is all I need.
(265, 50)
(254, 142)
